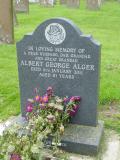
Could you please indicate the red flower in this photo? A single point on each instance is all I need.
(66, 100)
(49, 91)
(29, 107)
(72, 99)
(15, 157)
(42, 106)
(75, 98)
(73, 111)
(45, 99)
(38, 98)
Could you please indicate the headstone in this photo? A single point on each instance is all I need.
(73, 3)
(22, 6)
(15, 20)
(6, 21)
(94, 4)
(69, 62)
(47, 3)
(55, 2)
(58, 54)
(63, 2)
(33, 1)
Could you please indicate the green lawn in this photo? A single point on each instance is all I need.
(104, 25)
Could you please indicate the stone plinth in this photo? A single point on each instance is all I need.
(76, 139)
(82, 139)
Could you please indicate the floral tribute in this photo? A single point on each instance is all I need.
(46, 115)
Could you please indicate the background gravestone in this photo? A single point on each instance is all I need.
(94, 4)
(73, 3)
(15, 20)
(6, 21)
(46, 3)
(33, 1)
(58, 54)
(63, 2)
(22, 6)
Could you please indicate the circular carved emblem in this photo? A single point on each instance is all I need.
(55, 33)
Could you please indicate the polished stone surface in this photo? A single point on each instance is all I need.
(58, 54)
(82, 139)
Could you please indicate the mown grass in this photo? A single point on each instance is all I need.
(104, 25)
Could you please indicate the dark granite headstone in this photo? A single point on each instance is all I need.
(22, 6)
(6, 21)
(58, 54)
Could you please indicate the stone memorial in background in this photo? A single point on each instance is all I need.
(22, 6)
(15, 20)
(58, 54)
(94, 4)
(47, 3)
(6, 21)
(33, 1)
(63, 2)
(73, 3)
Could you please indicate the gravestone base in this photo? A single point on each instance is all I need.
(76, 139)
(82, 139)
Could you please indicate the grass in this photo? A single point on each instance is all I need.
(103, 25)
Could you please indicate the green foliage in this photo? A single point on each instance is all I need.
(46, 116)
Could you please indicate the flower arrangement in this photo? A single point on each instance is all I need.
(46, 115)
